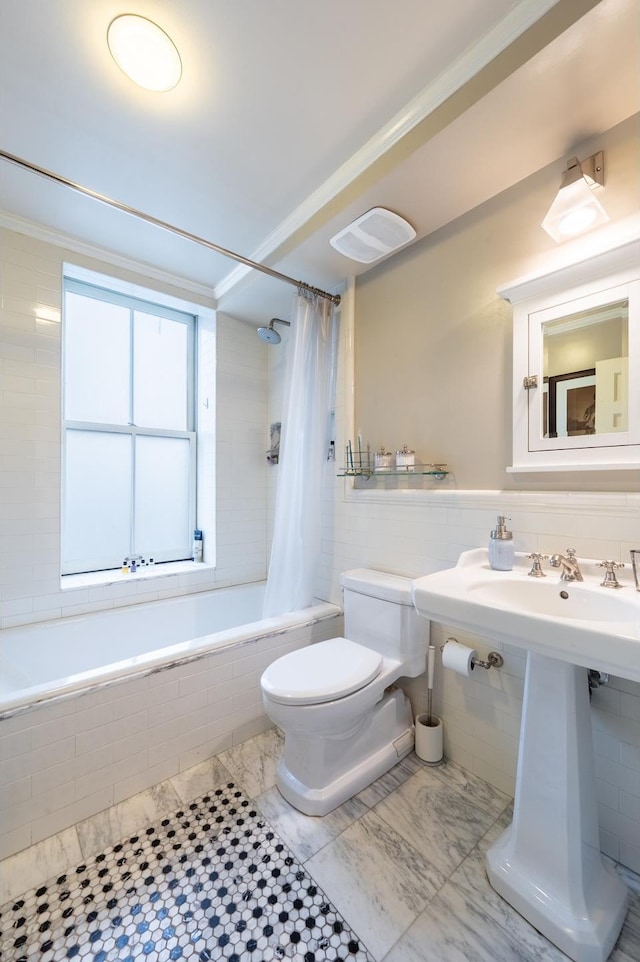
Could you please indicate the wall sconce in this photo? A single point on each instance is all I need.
(575, 208)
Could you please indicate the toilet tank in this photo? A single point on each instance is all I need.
(379, 613)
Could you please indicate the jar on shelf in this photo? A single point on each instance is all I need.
(384, 460)
(405, 459)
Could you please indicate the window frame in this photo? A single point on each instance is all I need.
(133, 302)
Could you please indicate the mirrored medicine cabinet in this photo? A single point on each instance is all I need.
(576, 365)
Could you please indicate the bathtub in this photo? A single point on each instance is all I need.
(98, 707)
(46, 661)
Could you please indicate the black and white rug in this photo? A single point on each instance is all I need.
(210, 882)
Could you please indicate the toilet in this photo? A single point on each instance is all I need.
(344, 722)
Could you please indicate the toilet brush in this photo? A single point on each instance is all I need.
(431, 660)
(428, 743)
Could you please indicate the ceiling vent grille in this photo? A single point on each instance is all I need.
(373, 235)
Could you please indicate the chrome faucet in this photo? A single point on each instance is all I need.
(569, 565)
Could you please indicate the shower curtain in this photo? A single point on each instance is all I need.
(295, 548)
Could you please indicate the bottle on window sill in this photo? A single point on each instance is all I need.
(197, 545)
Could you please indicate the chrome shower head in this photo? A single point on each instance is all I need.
(269, 334)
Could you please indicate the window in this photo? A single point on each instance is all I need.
(129, 433)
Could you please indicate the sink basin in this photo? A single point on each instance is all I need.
(579, 622)
(555, 599)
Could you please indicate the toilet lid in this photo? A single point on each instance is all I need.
(330, 669)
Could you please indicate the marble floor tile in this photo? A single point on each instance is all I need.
(305, 834)
(103, 829)
(201, 779)
(439, 821)
(253, 763)
(454, 928)
(471, 882)
(391, 780)
(631, 878)
(627, 948)
(483, 795)
(380, 881)
(29, 868)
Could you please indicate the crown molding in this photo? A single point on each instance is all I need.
(601, 264)
(20, 225)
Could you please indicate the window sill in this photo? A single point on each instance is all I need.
(147, 573)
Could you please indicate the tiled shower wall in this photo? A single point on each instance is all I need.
(30, 381)
(414, 531)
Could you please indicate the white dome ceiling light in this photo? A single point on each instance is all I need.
(144, 52)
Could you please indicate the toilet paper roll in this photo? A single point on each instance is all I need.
(458, 657)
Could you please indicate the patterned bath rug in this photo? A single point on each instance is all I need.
(211, 882)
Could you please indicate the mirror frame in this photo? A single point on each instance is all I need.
(600, 279)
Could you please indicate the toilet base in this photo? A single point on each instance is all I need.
(317, 774)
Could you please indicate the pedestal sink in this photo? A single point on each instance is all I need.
(547, 864)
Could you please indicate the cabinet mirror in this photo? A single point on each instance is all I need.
(577, 366)
(586, 372)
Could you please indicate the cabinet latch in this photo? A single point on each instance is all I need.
(530, 381)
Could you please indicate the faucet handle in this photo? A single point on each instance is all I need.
(610, 580)
(571, 553)
(536, 567)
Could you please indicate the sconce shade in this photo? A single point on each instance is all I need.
(575, 208)
(144, 52)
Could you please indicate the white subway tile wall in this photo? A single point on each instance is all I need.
(30, 384)
(70, 759)
(413, 532)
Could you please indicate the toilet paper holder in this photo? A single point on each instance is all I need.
(494, 658)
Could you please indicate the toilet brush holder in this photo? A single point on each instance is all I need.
(429, 743)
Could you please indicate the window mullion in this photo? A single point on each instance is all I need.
(132, 544)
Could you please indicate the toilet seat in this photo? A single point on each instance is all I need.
(322, 672)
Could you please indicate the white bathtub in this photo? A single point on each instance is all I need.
(99, 707)
(48, 660)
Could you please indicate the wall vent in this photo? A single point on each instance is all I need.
(373, 235)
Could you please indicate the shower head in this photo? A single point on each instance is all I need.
(269, 334)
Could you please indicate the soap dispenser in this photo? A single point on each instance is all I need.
(501, 554)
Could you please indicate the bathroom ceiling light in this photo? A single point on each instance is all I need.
(575, 208)
(144, 52)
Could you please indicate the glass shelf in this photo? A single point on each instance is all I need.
(436, 471)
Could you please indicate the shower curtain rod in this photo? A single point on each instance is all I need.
(79, 188)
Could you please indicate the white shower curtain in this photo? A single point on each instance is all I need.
(304, 444)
